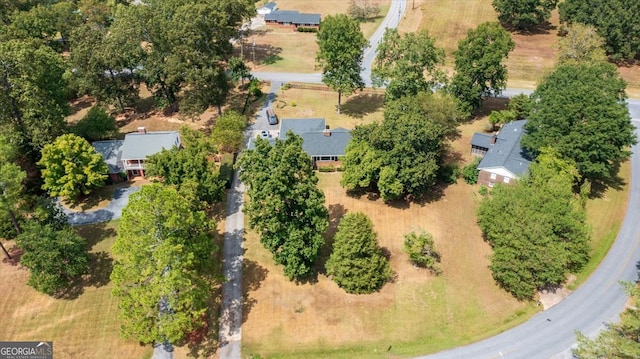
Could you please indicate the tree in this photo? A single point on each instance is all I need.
(470, 172)
(520, 105)
(356, 263)
(189, 166)
(581, 44)
(617, 340)
(11, 190)
(55, 258)
(228, 131)
(536, 227)
(403, 154)
(32, 94)
(501, 117)
(422, 252)
(479, 67)
(363, 10)
(286, 208)
(525, 14)
(239, 69)
(96, 125)
(615, 21)
(181, 51)
(164, 268)
(580, 110)
(341, 45)
(403, 60)
(71, 166)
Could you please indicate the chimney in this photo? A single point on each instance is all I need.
(326, 131)
(142, 130)
(493, 139)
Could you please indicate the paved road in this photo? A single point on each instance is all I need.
(112, 211)
(230, 332)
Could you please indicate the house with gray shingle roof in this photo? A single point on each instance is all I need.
(138, 146)
(111, 151)
(293, 19)
(503, 159)
(325, 146)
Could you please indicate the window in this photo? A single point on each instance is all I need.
(325, 158)
(135, 172)
(491, 184)
(493, 176)
(506, 179)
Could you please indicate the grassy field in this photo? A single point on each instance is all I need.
(282, 49)
(359, 108)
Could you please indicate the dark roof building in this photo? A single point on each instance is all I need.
(319, 142)
(503, 158)
(294, 18)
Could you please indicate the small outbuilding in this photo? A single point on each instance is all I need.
(268, 8)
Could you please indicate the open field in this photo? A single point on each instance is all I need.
(83, 326)
(359, 108)
(282, 49)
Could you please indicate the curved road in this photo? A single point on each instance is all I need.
(549, 334)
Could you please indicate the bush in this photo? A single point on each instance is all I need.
(450, 173)
(483, 190)
(470, 172)
(307, 29)
(422, 252)
(329, 168)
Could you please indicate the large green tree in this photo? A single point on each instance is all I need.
(164, 271)
(286, 207)
(356, 263)
(55, 257)
(190, 166)
(228, 131)
(402, 61)
(617, 21)
(185, 45)
(479, 67)
(524, 14)
(617, 340)
(341, 45)
(71, 166)
(403, 154)
(32, 95)
(580, 110)
(536, 227)
(96, 125)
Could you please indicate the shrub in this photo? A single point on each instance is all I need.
(422, 252)
(450, 173)
(483, 190)
(470, 171)
(307, 29)
(329, 168)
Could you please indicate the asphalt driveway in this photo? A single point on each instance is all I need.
(112, 211)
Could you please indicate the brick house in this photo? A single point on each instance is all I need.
(292, 19)
(503, 159)
(138, 146)
(325, 146)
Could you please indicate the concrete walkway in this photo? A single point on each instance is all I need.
(112, 211)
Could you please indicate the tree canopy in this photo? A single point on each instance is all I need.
(581, 43)
(71, 166)
(580, 110)
(536, 227)
(616, 21)
(96, 125)
(356, 263)
(228, 131)
(55, 257)
(286, 207)
(402, 155)
(479, 68)
(341, 45)
(524, 14)
(164, 268)
(422, 251)
(402, 61)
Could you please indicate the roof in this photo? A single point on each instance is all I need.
(293, 17)
(270, 5)
(314, 140)
(507, 152)
(111, 151)
(481, 140)
(139, 145)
